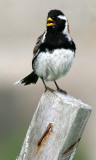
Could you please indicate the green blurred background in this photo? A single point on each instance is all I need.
(21, 22)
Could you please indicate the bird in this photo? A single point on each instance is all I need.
(53, 53)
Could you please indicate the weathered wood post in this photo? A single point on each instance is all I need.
(56, 128)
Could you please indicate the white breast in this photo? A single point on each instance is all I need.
(52, 66)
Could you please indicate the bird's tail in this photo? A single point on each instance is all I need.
(31, 78)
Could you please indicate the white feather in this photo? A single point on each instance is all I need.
(18, 82)
(43, 38)
(62, 17)
(52, 66)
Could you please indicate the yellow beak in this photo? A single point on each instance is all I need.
(50, 22)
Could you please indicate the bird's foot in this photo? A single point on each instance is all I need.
(58, 89)
(50, 89)
(62, 91)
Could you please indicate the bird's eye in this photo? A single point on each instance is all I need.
(53, 17)
(58, 19)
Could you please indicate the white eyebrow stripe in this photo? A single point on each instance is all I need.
(62, 17)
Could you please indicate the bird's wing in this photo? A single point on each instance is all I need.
(38, 43)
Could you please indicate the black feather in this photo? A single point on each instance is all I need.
(31, 78)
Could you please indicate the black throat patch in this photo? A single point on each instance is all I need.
(57, 40)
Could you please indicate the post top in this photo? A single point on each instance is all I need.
(68, 99)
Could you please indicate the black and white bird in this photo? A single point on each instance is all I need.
(54, 51)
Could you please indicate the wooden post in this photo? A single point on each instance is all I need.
(56, 128)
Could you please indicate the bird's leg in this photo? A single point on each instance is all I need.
(46, 88)
(58, 89)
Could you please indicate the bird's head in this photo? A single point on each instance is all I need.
(56, 21)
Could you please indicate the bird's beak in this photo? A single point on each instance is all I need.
(50, 22)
